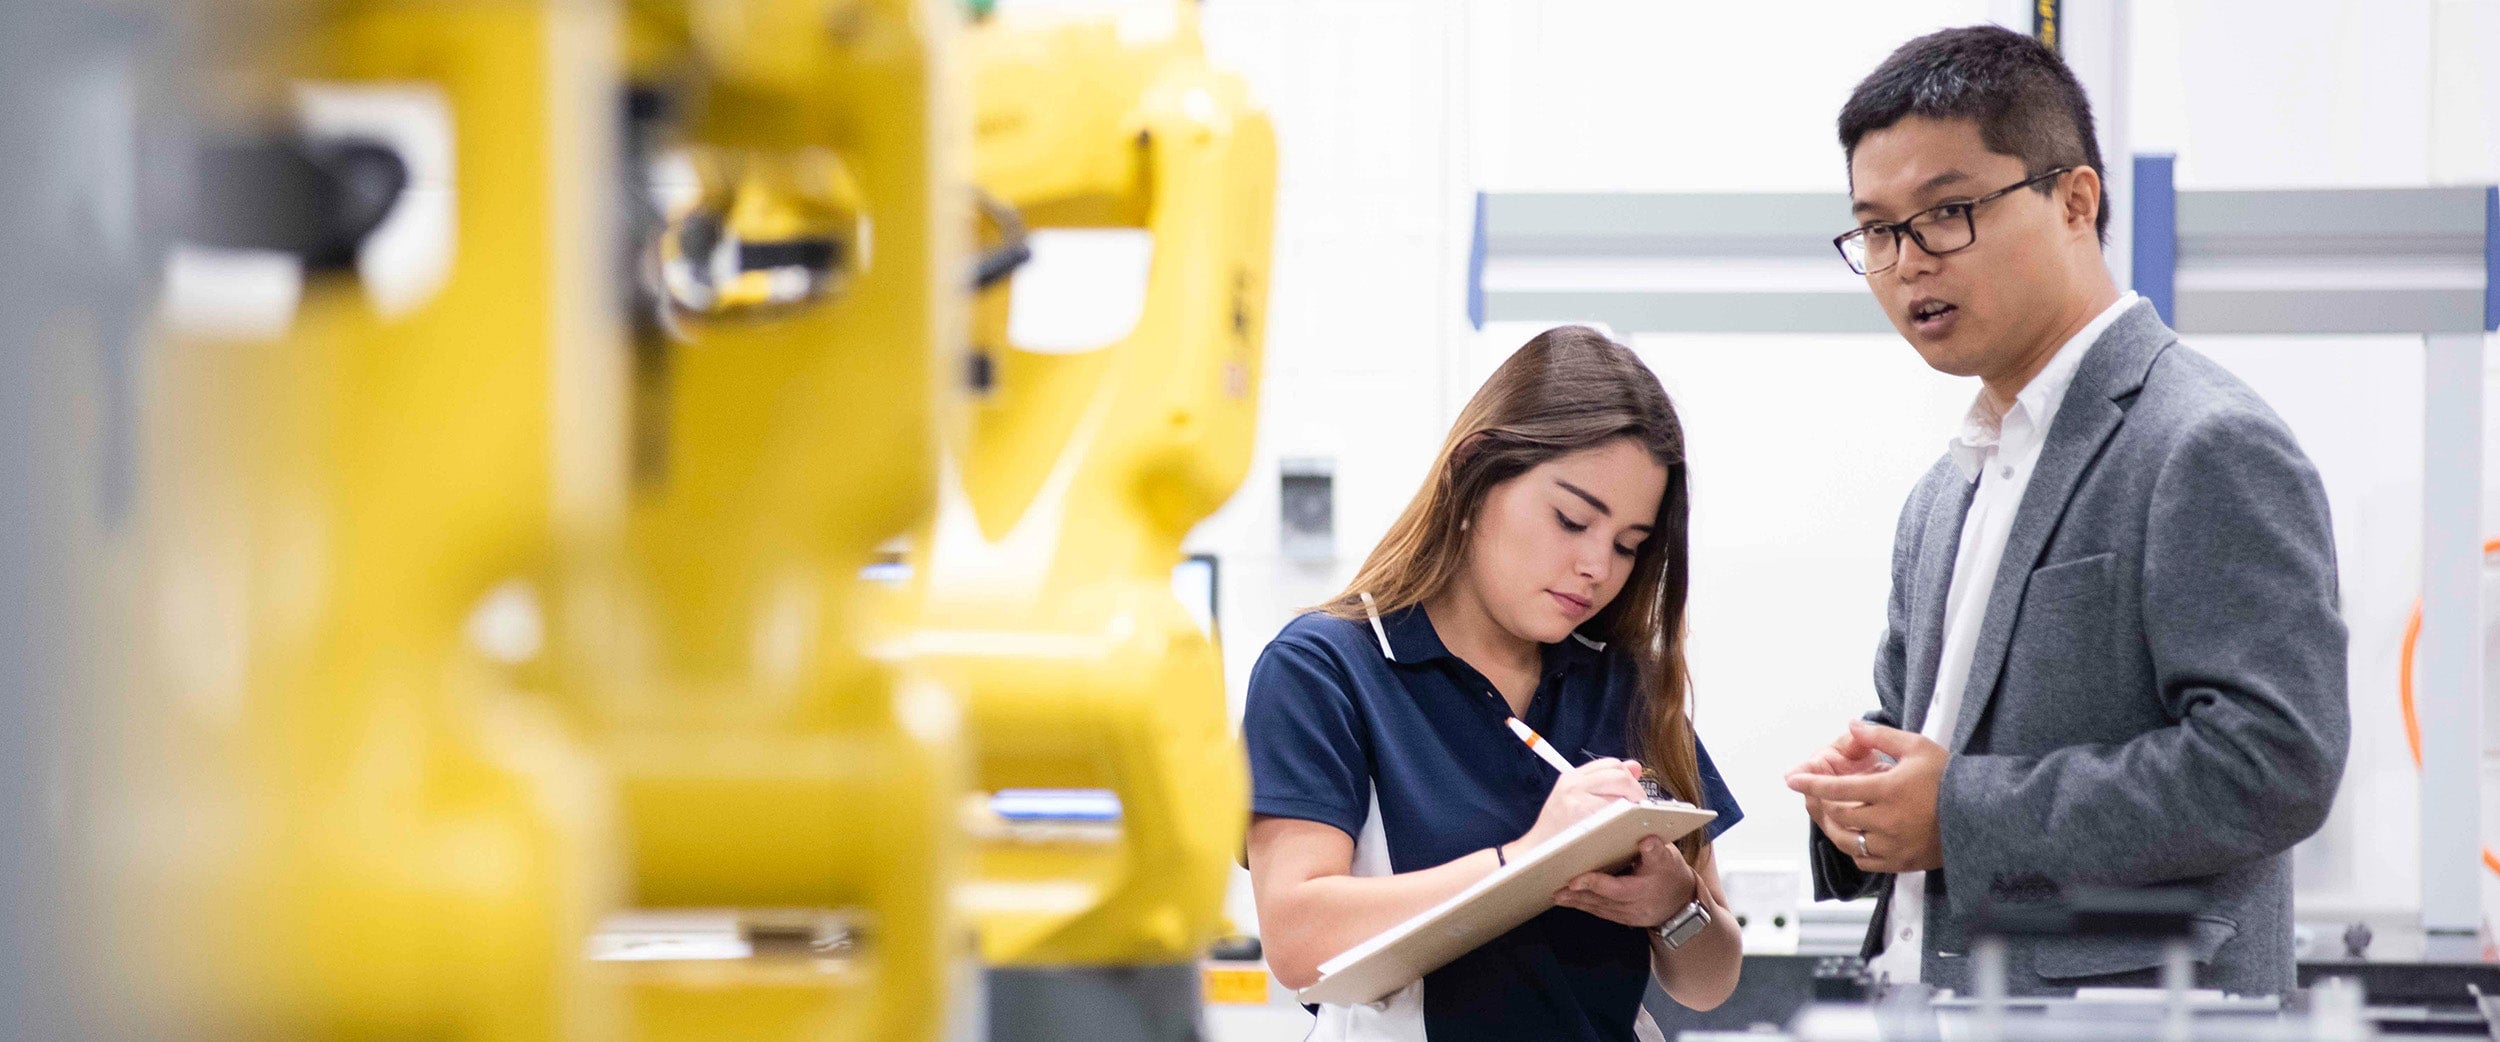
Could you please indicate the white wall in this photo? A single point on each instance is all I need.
(1392, 113)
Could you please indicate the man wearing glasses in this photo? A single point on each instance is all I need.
(2113, 657)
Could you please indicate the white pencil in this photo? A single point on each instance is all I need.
(1537, 742)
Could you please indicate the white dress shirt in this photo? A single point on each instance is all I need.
(2000, 452)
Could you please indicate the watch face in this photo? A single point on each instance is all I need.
(1686, 923)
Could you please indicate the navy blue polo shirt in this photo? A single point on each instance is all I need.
(1331, 721)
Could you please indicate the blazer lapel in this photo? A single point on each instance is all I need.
(1924, 646)
(2085, 421)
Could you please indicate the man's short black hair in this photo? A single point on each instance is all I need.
(2027, 103)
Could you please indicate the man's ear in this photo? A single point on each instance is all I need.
(2083, 198)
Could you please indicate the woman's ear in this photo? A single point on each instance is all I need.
(1467, 449)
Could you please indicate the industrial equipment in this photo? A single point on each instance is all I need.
(323, 810)
(1045, 581)
(802, 288)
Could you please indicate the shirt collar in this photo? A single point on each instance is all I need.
(1412, 637)
(2035, 406)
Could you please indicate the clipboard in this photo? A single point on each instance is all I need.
(1513, 894)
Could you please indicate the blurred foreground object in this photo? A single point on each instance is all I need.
(325, 811)
(801, 280)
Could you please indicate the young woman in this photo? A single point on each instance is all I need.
(1540, 574)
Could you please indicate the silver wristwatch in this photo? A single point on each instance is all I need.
(1685, 926)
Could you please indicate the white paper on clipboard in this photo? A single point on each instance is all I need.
(1513, 894)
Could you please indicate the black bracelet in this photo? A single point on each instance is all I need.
(1498, 860)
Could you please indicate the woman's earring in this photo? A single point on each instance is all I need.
(1463, 523)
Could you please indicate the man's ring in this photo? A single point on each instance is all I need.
(1862, 844)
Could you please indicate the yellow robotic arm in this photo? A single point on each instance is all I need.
(1046, 579)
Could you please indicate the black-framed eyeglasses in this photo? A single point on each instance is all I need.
(1939, 230)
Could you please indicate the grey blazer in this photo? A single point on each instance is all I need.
(2156, 695)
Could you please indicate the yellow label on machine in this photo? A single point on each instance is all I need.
(1236, 987)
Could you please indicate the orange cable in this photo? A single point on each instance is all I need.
(2404, 690)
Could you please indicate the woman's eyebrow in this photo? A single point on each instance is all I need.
(1576, 490)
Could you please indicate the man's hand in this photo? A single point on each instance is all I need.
(1846, 756)
(1660, 886)
(1892, 808)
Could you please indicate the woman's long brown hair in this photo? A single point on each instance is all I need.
(1567, 390)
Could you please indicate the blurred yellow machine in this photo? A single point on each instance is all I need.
(323, 813)
(403, 475)
(1045, 582)
(807, 276)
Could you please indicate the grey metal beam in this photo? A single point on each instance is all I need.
(1724, 263)
(2448, 696)
(2379, 260)
(1630, 311)
(2334, 221)
(1666, 224)
(2384, 260)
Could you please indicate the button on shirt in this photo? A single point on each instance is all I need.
(1999, 451)
(1412, 749)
